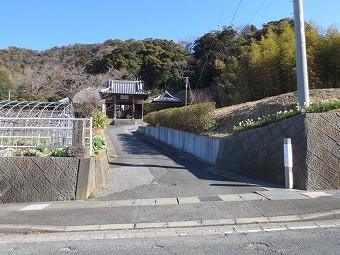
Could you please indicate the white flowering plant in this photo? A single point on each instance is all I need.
(248, 124)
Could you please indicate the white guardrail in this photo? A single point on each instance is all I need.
(41, 132)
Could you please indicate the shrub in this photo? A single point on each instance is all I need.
(100, 120)
(196, 118)
(59, 152)
(153, 107)
(98, 143)
(100, 123)
(150, 118)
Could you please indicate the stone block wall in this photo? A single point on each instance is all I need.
(41, 179)
(259, 153)
(35, 179)
(323, 154)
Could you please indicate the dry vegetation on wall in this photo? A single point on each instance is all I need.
(228, 117)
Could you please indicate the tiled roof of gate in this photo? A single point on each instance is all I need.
(125, 87)
(166, 97)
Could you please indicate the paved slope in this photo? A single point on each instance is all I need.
(142, 169)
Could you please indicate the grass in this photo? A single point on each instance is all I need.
(325, 106)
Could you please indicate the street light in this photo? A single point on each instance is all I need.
(186, 89)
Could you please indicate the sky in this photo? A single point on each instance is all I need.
(44, 24)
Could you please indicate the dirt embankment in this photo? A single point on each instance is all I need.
(228, 117)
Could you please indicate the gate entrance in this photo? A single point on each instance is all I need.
(124, 99)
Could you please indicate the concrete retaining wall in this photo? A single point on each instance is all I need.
(316, 152)
(323, 151)
(203, 147)
(259, 153)
(40, 179)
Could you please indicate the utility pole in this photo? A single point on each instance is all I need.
(9, 95)
(301, 56)
(186, 89)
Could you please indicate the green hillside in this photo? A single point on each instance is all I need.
(230, 66)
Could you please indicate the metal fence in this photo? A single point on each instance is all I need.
(42, 132)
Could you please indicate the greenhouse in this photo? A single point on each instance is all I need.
(26, 109)
(37, 124)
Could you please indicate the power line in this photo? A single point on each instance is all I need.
(212, 42)
(256, 12)
(225, 7)
(206, 60)
(235, 12)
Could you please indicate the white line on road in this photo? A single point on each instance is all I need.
(327, 226)
(273, 229)
(34, 207)
(302, 227)
(228, 232)
(249, 231)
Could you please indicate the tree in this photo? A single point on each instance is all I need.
(31, 83)
(163, 64)
(313, 33)
(270, 62)
(5, 83)
(187, 44)
(214, 50)
(327, 58)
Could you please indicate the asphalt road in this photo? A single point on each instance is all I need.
(293, 238)
(142, 169)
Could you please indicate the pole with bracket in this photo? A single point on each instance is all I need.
(288, 162)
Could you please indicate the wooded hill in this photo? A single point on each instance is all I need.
(231, 65)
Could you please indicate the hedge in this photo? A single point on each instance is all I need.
(153, 107)
(196, 118)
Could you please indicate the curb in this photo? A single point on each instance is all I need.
(109, 145)
(27, 229)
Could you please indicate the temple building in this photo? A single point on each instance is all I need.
(124, 99)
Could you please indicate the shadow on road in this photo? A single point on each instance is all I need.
(135, 143)
(133, 146)
(146, 165)
(231, 185)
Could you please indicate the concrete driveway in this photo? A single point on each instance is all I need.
(141, 168)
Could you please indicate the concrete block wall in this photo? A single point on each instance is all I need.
(37, 179)
(41, 179)
(323, 150)
(258, 153)
(202, 147)
(316, 153)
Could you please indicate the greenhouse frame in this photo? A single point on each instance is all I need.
(39, 124)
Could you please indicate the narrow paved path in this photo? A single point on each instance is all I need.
(145, 169)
